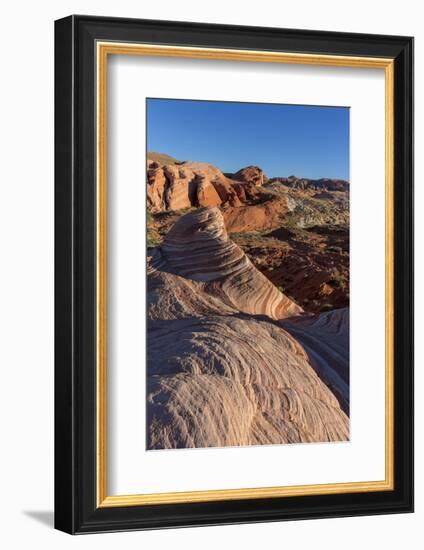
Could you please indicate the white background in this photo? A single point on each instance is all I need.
(131, 80)
(26, 218)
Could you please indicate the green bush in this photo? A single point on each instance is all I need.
(337, 278)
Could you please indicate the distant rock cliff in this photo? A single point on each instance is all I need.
(325, 184)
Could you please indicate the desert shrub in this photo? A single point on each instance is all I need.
(337, 278)
(152, 239)
(292, 222)
(335, 249)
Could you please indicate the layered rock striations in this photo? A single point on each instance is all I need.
(198, 248)
(229, 360)
(325, 338)
(325, 184)
(230, 381)
(182, 185)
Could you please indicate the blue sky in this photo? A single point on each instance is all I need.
(284, 140)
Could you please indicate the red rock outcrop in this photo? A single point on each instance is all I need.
(184, 184)
(156, 184)
(179, 186)
(250, 174)
(256, 217)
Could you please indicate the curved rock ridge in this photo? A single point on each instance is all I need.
(325, 338)
(231, 360)
(171, 296)
(198, 248)
(230, 381)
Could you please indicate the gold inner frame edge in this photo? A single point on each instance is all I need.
(103, 49)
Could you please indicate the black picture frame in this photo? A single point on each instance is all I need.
(76, 510)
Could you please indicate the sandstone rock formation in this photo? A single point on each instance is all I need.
(198, 248)
(255, 217)
(181, 185)
(225, 366)
(250, 174)
(325, 184)
(156, 184)
(226, 380)
(325, 338)
(294, 230)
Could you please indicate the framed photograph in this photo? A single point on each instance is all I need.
(233, 265)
